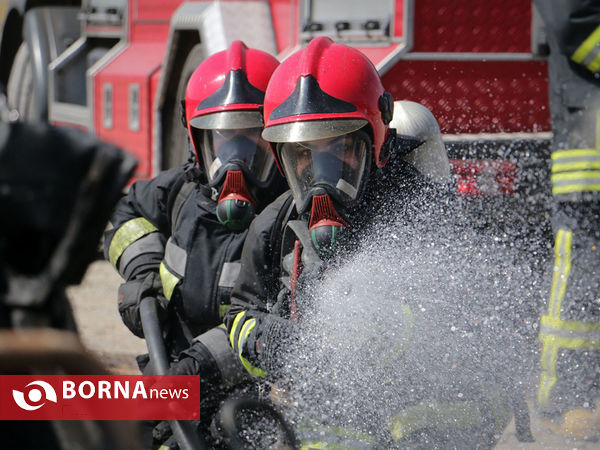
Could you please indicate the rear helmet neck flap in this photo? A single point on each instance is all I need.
(419, 141)
(223, 104)
(327, 110)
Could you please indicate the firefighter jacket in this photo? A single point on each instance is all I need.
(573, 34)
(168, 225)
(261, 333)
(250, 317)
(569, 328)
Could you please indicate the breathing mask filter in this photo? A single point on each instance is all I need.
(325, 225)
(235, 207)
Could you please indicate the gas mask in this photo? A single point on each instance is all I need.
(238, 163)
(327, 175)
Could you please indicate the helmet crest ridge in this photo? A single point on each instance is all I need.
(309, 98)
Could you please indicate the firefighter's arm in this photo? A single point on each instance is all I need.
(254, 334)
(140, 226)
(135, 244)
(580, 40)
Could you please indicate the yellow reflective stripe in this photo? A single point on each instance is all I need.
(234, 328)
(439, 416)
(586, 174)
(126, 235)
(244, 333)
(569, 343)
(586, 48)
(223, 310)
(598, 130)
(573, 170)
(569, 333)
(561, 270)
(570, 325)
(318, 445)
(574, 153)
(573, 166)
(168, 280)
(338, 431)
(551, 344)
(309, 445)
(548, 376)
(246, 329)
(573, 188)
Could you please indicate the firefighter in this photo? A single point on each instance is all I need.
(567, 396)
(328, 115)
(178, 237)
(52, 219)
(48, 236)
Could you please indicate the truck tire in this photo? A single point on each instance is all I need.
(20, 89)
(178, 149)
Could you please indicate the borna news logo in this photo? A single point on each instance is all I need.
(99, 397)
(35, 396)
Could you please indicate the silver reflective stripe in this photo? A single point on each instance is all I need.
(150, 243)
(570, 334)
(590, 59)
(229, 274)
(581, 179)
(215, 340)
(175, 258)
(564, 159)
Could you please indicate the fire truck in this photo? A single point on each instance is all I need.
(119, 68)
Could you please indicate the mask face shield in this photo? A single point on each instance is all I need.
(235, 149)
(336, 165)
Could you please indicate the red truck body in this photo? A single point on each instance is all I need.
(476, 65)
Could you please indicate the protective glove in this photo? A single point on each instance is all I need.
(131, 294)
(275, 336)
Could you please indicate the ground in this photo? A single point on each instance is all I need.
(94, 303)
(95, 306)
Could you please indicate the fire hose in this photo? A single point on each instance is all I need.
(184, 432)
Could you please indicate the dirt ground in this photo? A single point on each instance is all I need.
(94, 304)
(95, 307)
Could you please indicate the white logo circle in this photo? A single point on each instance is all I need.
(35, 396)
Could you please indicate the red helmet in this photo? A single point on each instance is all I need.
(326, 107)
(327, 90)
(223, 100)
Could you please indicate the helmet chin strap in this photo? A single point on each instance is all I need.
(235, 206)
(325, 224)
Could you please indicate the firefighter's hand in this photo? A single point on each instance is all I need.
(131, 294)
(282, 305)
(276, 337)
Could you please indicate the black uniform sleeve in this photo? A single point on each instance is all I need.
(141, 225)
(248, 320)
(575, 27)
(583, 20)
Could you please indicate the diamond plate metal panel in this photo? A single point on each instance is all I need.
(476, 96)
(472, 26)
(221, 23)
